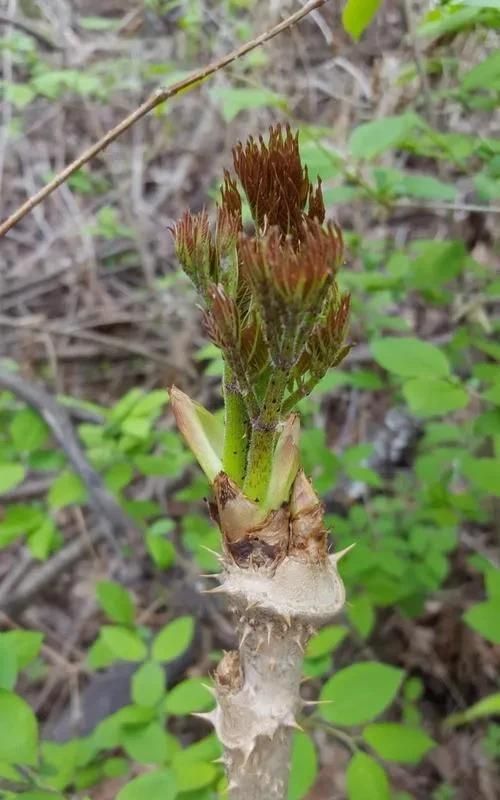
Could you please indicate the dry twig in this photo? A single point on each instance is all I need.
(158, 97)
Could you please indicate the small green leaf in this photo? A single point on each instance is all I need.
(20, 745)
(24, 644)
(19, 519)
(395, 742)
(125, 644)
(162, 551)
(116, 602)
(148, 684)
(326, 641)
(410, 358)
(483, 473)
(358, 14)
(372, 138)
(234, 100)
(188, 696)
(8, 665)
(197, 775)
(67, 489)
(488, 706)
(11, 475)
(428, 397)
(366, 780)
(147, 744)
(485, 619)
(28, 430)
(44, 540)
(361, 614)
(360, 693)
(158, 785)
(304, 766)
(173, 639)
(426, 187)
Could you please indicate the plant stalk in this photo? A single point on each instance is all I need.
(278, 602)
(235, 430)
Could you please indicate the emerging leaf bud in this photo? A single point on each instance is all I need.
(276, 184)
(195, 249)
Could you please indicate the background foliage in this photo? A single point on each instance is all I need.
(403, 442)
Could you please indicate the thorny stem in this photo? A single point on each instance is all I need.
(158, 97)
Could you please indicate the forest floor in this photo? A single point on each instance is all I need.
(91, 305)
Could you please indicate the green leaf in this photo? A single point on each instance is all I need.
(19, 519)
(99, 655)
(44, 540)
(17, 718)
(425, 187)
(495, 4)
(116, 602)
(8, 665)
(118, 476)
(429, 397)
(24, 644)
(366, 780)
(19, 94)
(486, 707)
(148, 684)
(492, 581)
(234, 100)
(188, 696)
(410, 358)
(357, 15)
(67, 489)
(304, 766)
(28, 430)
(147, 744)
(195, 776)
(372, 138)
(162, 551)
(11, 475)
(484, 75)
(395, 742)
(485, 619)
(123, 643)
(326, 641)
(158, 785)
(360, 693)
(173, 639)
(483, 473)
(361, 615)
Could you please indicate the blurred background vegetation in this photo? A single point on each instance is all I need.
(403, 442)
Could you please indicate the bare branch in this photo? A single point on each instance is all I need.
(157, 98)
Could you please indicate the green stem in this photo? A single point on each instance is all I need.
(263, 439)
(235, 431)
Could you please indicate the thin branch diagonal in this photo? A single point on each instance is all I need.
(157, 98)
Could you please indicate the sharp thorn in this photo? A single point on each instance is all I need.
(307, 703)
(215, 590)
(335, 557)
(207, 716)
(212, 552)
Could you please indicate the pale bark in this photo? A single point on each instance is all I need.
(279, 593)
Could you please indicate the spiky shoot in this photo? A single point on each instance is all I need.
(273, 307)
